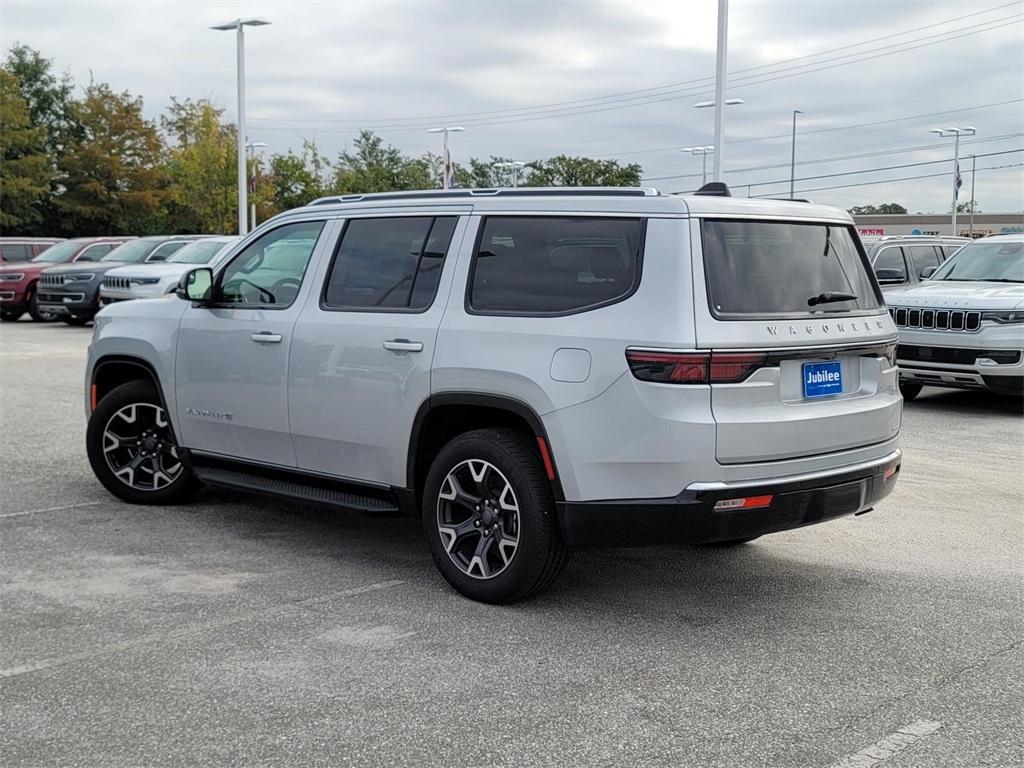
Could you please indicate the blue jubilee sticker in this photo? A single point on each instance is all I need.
(822, 379)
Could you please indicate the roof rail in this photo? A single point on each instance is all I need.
(460, 194)
(714, 189)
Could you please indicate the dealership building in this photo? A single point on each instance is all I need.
(872, 227)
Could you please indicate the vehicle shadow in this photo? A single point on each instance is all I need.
(935, 399)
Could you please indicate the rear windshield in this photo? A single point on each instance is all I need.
(787, 269)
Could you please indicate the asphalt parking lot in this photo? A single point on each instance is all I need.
(244, 631)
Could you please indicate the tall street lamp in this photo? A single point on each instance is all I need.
(974, 166)
(515, 166)
(703, 152)
(252, 146)
(240, 25)
(448, 178)
(966, 130)
(792, 157)
(720, 103)
(719, 138)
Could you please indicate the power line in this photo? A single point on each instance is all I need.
(633, 98)
(886, 181)
(837, 158)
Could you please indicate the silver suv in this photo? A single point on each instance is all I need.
(964, 326)
(905, 260)
(529, 371)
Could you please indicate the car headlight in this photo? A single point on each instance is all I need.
(12, 277)
(1005, 316)
(79, 277)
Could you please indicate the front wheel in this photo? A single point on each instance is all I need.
(39, 314)
(10, 317)
(489, 517)
(910, 390)
(132, 448)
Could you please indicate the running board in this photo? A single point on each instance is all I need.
(297, 487)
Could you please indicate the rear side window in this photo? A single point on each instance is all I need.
(923, 256)
(553, 266)
(16, 251)
(389, 263)
(772, 268)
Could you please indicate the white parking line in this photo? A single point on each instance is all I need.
(891, 745)
(49, 509)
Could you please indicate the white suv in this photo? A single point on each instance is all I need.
(531, 371)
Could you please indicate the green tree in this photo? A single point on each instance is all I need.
(25, 170)
(298, 179)
(372, 167)
(113, 177)
(202, 166)
(966, 207)
(884, 208)
(486, 173)
(566, 171)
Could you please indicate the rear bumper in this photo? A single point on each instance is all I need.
(691, 516)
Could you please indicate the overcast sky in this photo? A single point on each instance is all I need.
(323, 69)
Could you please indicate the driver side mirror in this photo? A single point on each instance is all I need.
(196, 285)
(927, 272)
(890, 276)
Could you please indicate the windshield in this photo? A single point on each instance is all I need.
(790, 269)
(130, 253)
(59, 252)
(199, 252)
(1000, 262)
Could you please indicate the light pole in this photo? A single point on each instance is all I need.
(717, 172)
(448, 177)
(240, 25)
(792, 157)
(974, 163)
(252, 146)
(966, 130)
(515, 165)
(723, 39)
(703, 152)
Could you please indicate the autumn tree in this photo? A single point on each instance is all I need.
(25, 169)
(566, 171)
(113, 174)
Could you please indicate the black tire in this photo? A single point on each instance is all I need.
(75, 319)
(107, 425)
(10, 317)
(37, 314)
(910, 390)
(538, 555)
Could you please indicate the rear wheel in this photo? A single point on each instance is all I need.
(910, 390)
(731, 542)
(10, 317)
(132, 448)
(40, 315)
(489, 517)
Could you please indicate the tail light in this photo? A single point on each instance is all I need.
(693, 367)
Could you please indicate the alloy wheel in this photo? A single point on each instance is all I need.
(139, 447)
(478, 519)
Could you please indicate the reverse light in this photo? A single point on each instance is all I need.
(746, 502)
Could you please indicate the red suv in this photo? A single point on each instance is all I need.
(17, 249)
(18, 281)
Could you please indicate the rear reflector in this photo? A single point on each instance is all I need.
(545, 455)
(891, 471)
(693, 367)
(92, 397)
(747, 502)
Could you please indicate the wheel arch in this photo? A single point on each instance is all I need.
(112, 371)
(443, 416)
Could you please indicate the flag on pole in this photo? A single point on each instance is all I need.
(957, 181)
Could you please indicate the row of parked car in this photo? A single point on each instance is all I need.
(71, 280)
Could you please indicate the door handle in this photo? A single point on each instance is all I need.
(403, 345)
(265, 337)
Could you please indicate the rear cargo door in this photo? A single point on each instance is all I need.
(802, 348)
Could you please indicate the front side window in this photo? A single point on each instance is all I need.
(269, 271)
(992, 261)
(551, 265)
(389, 263)
(132, 252)
(923, 256)
(769, 268)
(95, 252)
(161, 252)
(890, 266)
(199, 252)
